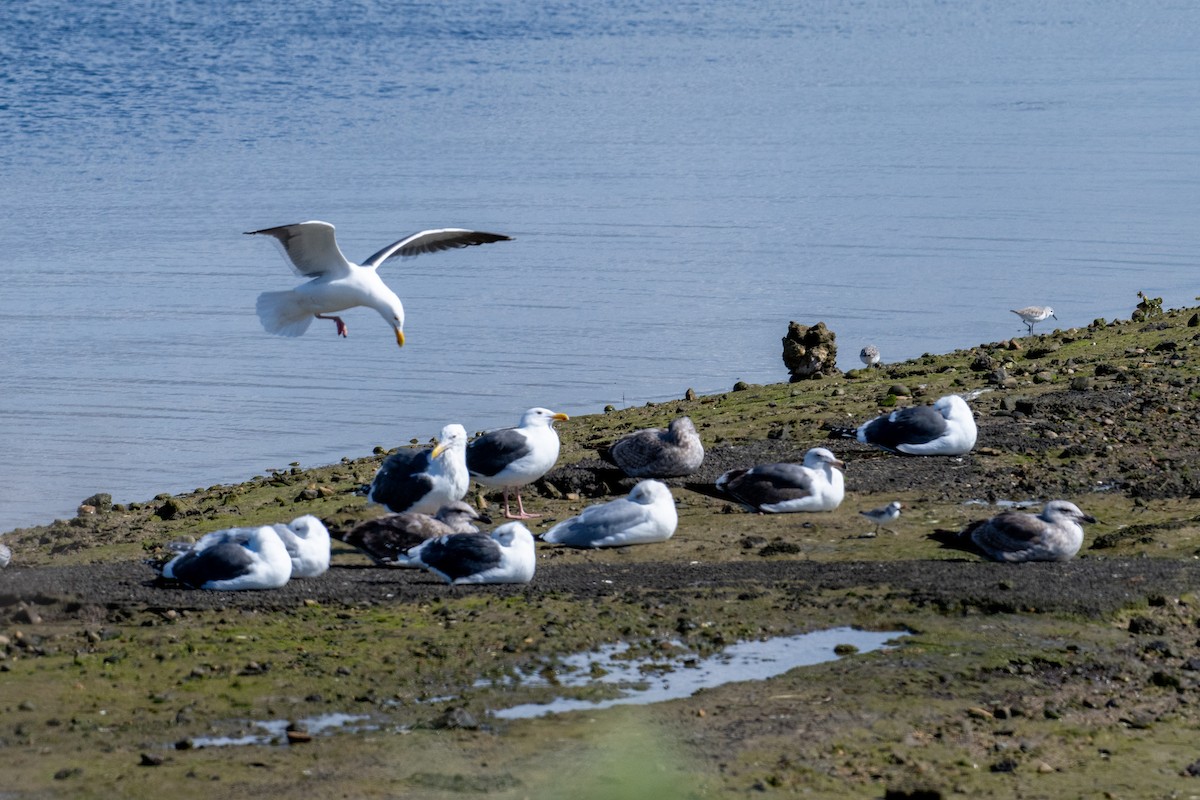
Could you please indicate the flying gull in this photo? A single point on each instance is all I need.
(424, 480)
(647, 515)
(387, 538)
(253, 559)
(337, 284)
(506, 555)
(1031, 314)
(513, 457)
(1053, 535)
(658, 453)
(882, 516)
(869, 355)
(947, 428)
(815, 485)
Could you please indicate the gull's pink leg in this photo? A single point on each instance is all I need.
(521, 514)
(341, 326)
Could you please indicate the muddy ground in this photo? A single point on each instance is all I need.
(1039, 680)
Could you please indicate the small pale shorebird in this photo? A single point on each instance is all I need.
(1053, 535)
(883, 515)
(337, 284)
(869, 355)
(1031, 314)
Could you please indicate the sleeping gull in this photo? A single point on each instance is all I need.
(513, 457)
(658, 453)
(305, 538)
(255, 560)
(815, 485)
(1053, 535)
(424, 480)
(869, 355)
(884, 515)
(337, 284)
(504, 556)
(387, 538)
(1031, 314)
(647, 515)
(947, 428)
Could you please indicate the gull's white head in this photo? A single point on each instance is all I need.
(1057, 510)
(513, 534)
(309, 527)
(453, 438)
(650, 492)
(540, 416)
(821, 456)
(953, 406)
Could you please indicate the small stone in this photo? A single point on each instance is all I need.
(151, 760)
(1082, 383)
(298, 737)
(457, 719)
(975, 712)
(690, 394)
(27, 615)
(1044, 768)
(899, 390)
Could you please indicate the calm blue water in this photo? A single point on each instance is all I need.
(682, 178)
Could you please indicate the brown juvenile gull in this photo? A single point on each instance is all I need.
(658, 453)
(506, 555)
(815, 485)
(337, 284)
(387, 538)
(947, 428)
(1031, 314)
(1053, 535)
(424, 480)
(513, 457)
(647, 515)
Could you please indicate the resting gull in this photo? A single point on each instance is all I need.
(647, 515)
(337, 284)
(815, 485)
(658, 453)
(387, 538)
(1053, 535)
(5, 556)
(869, 355)
(254, 558)
(947, 428)
(305, 538)
(513, 457)
(1031, 314)
(882, 516)
(506, 555)
(424, 480)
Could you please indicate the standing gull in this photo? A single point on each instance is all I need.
(255, 560)
(815, 485)
(1031, 314)
(504, 556)
(869, 355)
(1053, 535)
(647, 515)
(337, 284)
(947, 428)
(513, 457)
(884, 515)
(387, 538)
(658, 453)
(424, 480)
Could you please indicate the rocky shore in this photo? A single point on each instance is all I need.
(1040, 680)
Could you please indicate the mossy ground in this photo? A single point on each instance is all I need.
(96, 690)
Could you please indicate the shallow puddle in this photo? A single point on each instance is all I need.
(681, 673)
(275, 730)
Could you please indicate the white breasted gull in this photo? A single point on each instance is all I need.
(815, 485)
(337, 284)
(645, 516)
(883, 515)
(869, 355)
(513, 457)
(255, 559)
(506, 555)
(947, 428)
(1032, 314)
(1053, 535)
(387, 538)
(424, 480)
(658, 453)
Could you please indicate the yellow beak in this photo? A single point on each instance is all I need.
(399, 337)
(560, 416)
(437, 451)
